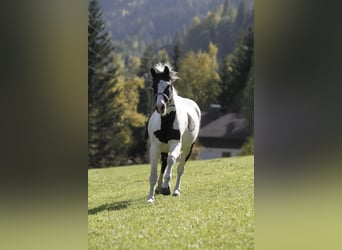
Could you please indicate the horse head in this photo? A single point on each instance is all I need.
(162, 88)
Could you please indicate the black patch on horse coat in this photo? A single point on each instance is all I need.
(163, 161)
(166, 131)
(157, 77)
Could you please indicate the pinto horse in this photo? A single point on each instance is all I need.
(173, 129)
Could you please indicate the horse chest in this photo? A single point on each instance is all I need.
(166, 131)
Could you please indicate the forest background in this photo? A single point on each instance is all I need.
(209, 42)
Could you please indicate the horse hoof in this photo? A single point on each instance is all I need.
(157, 191)
(176, 193)
(150, 200)
(165, 191)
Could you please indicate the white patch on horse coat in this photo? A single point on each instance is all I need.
(160, 98)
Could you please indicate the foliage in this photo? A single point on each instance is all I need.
(201, 32)
(136, 24)
(247, 148)
(247, 102)
(156, 18)
(234, 73)
(199, 78)
(134, 121)
(215, 209)
(112, 97)
(176, 56)
(163, 56)
(128, 99)
(221, 26)
(104, 138)
(139, 146)
(133, 66)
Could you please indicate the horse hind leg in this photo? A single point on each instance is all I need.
(163, 162)
(180, 171)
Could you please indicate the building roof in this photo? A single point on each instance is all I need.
(228, 126)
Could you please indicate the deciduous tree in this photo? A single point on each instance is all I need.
(199, 79)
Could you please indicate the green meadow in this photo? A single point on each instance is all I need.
(214, 211)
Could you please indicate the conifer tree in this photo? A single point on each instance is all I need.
(247, 102)
(176, 56)
(241, 17)
(234, 73)
(105, 146)
(144, 71)
(139, 146)
(226, 5)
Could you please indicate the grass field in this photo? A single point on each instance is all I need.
(214, 211)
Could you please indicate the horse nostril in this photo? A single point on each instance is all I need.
(160, 108)
(163, 108)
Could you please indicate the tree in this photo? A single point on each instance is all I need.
(199, 79)
(241, 17)
(247, 102)
(194, 36)
(226, 37)
(162, 56)
(222, 26)
(105, 145)
(132, 120)
(176, 56)
(234, 73)
(225, 30)
(226, 5)
(144, 71)
(133, 66)
(139, 146)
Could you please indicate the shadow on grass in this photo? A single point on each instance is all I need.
(118, 205)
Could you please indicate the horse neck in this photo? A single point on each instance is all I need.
(172, 105)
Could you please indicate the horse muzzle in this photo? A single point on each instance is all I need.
(161, 108)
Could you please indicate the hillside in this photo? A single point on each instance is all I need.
(153, 19)
(141, 22)
(215, 209)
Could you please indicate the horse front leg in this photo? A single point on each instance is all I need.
(163, 162)
(154, 157)
(175, 148)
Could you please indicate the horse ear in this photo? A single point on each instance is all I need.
(153, 72)
(166, 71)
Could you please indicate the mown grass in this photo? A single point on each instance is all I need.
(215, 209)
